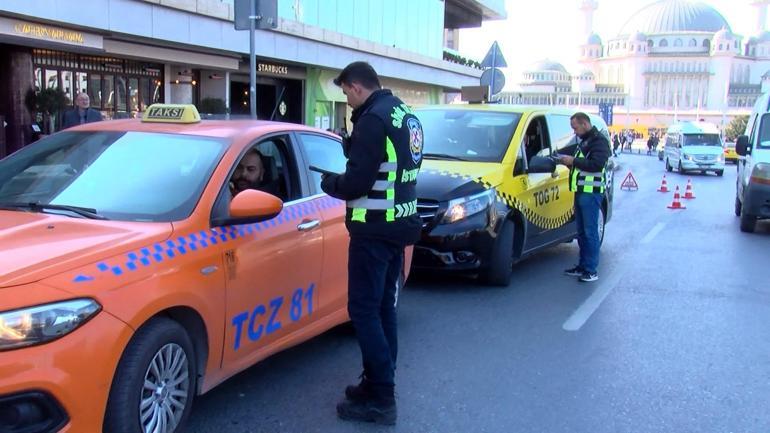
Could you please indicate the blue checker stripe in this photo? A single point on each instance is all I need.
(173, 248)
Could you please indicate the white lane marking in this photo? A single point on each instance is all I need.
(653, 232)
(590, 305)
(587, 309)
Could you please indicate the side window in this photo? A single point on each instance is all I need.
(266, 166)
(560, 131)
(752, 127)
(536, 142)
(763, 132)
(322, 152)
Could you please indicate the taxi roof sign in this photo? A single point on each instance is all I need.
(171, 113)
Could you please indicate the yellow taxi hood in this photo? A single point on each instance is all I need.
(34, 246)
(473, 170)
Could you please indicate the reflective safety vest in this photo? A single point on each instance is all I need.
(583, 181)
(392, 200)
(380, 203)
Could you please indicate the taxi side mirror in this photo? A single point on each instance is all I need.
(251, 206)
(541, 164)
(742, 146)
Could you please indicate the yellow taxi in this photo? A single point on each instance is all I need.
(489, 191)
(730, 154)
(143, 263)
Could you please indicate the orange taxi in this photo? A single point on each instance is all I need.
(136, 272)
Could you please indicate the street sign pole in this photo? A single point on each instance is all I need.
(494, 65)
(252, 58)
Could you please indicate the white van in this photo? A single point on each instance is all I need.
(752, 195)
(694, 146)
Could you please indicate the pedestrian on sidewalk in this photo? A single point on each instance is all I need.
(384, 155)
(588, 180)
(615, 144)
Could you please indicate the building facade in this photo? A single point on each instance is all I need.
(127, 54)
(672, 60)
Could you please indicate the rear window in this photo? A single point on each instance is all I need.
(467, 135)
(127, 176)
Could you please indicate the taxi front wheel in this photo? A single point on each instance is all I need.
(498, 270)
(154, 385)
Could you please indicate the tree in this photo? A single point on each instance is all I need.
(736, 127)
(49, 102)
(212, 106)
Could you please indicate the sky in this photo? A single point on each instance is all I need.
(553, 29)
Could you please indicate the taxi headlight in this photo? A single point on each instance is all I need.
(38, 325)
(761, 171)
(464, 207)
(687, 157)
(721, 157)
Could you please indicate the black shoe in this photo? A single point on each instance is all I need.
(577, 271)
(360, 392)
(377, 411)
(588, 277)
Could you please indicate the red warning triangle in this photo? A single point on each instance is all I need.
(629, 182)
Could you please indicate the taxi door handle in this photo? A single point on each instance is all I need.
(308, 225)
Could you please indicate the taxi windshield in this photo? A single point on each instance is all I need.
(702, 140)
(126, 176)
(466, 135)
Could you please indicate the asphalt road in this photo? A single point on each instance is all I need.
(672, 338)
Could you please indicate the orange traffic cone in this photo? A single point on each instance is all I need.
(676, 204)
(688, 194)
(663, 185)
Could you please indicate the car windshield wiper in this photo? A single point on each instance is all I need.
(442, 156)
(39, 207)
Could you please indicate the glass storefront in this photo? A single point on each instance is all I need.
(119, 88)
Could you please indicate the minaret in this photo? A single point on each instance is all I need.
(588, 7)
(761, 7)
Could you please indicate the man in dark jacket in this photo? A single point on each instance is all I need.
(379, 185)
(588, 180)
(82, 113)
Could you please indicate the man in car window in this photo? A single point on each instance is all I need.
(250, 174)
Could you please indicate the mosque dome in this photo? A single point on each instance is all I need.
(638, 37)
(724, 35)
(594, 39)
(674, 16)
(547, 66)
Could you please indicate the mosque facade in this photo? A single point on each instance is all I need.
(672, 60)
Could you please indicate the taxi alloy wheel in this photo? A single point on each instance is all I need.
(155, 382)
(166, 390)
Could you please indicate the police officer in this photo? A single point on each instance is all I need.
(384, 155)
(588, 179)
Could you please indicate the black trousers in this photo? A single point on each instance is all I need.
(374, 271)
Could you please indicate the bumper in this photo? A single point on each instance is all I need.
(462, 246)
(69, 378)
(695, 165)
(756, 200)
